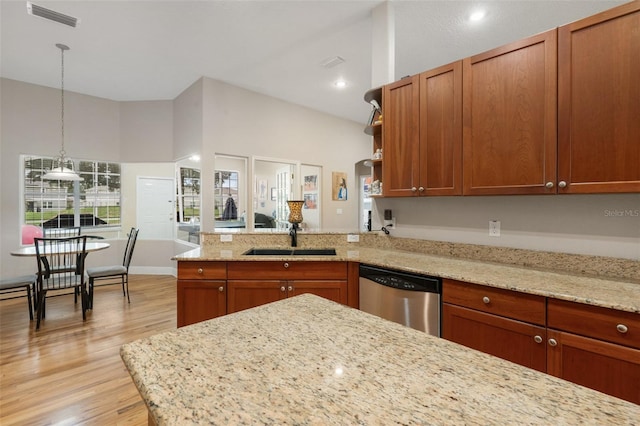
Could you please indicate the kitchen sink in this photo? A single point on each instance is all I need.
(289, 252)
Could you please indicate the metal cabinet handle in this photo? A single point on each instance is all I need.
(200, 271)
(486, 300)
(290, 288)
(414, 189)
(549, 185)
(537, 339)
(562, 184)
(421, 189)
(282, 289)
(221, 289)
(553, 342)
(622, 328)
(286, 265)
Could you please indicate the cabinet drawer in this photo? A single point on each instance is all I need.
(202, 270)
(288, 270)
(593, 321)
(506, 303)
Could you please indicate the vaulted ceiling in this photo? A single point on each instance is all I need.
(152, 50)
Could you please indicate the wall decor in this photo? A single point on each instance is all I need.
(339, 186)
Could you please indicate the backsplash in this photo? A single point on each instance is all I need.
(599, 266)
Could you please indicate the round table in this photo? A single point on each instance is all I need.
(31, 250)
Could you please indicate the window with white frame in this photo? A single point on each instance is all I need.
(188, 195)
(226, 202)
(92, 202)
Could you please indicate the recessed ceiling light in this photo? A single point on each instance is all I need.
(476, 16)
(340, 84)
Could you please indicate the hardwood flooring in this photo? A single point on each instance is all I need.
(70, 372)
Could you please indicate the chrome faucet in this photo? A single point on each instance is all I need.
(294, 234)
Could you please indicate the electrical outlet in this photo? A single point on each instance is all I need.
(494, 228)
(353, 238)
(338, 211)
(226, 238)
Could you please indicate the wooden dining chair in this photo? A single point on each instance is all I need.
(17, 284)
(115, 271)
(60, 267)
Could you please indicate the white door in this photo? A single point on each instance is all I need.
(155, 208)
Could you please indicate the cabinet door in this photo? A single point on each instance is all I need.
(509, 115)
(508, 339)
(245, 294)
(441, 131)
(599, 102)
(400, 162)
(200, 300)
(332, 290)
(606, 367)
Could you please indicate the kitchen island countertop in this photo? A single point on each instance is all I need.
(306, 360)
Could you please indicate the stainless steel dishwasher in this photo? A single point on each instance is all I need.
(409, 299)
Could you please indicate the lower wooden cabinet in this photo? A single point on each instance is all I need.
(497, 322)
(201, 291)
(210, 289)
(200, 301)
(606, 367)
(592, 346)
(515, 341)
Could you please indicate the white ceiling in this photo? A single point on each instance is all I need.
(152, 50)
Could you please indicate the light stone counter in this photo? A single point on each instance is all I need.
(621, 294)
(309, 361)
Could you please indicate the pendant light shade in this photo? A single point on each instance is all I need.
(62, 168)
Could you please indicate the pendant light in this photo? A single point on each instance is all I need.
(62, 166)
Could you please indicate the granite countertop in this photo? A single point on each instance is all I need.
(309, 361)
(621, 294)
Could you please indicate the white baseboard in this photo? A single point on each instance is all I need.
(153, 270)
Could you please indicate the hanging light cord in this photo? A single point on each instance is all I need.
(62, 49)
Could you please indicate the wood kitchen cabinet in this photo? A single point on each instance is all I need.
(509, 116)
(599, 102)
(595, 347)
(592, 346)
(423, 134)
(503, 323)
(252, 284)
(440, 141)
(201, 291)
(400, 161)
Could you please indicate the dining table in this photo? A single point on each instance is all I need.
(31, 250)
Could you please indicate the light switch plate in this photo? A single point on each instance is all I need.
(226, 238)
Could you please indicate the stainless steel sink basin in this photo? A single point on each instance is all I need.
(289, 252)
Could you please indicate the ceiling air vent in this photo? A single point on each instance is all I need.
(331, 62)
(52, 15)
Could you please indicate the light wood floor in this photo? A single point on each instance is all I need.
(70, 372)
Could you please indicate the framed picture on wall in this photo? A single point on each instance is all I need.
(339, 184)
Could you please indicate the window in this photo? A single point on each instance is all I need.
(95, 201)
(188, 195)
(226, 201)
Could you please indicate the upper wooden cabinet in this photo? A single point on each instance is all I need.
(599, 102)
(400, 162)
(509, 116)
(441, 131)
(422, 140)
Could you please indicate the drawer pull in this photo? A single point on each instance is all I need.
(486, 300)
(221, 289)
(537, 339)
(622, 328)
(290, 288)
(200, 271)
(283, 289)
(553, 342)
(286, 265)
